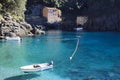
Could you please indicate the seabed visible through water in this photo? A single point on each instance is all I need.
(97, 57)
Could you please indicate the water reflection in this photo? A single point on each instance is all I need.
(22, 77)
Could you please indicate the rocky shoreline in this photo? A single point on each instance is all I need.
(12, 27)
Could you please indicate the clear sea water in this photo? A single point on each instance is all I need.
(97, 57)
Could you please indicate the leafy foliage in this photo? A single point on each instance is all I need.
(15, 7)
(65, 3)
(0, 6)
(56, 3)
(77, 4)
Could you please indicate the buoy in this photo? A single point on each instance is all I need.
(70, 58)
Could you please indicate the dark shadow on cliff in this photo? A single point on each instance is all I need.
(102, 15)
(103, 22)
(22, 77)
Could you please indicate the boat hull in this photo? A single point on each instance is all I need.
(13, 38)
(41, 67)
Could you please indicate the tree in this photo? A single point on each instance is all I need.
(20, 7)
(16, 7)
(0, 7)
(55, 3)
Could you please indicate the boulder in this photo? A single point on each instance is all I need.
(7, 17)
(40, 31)
(12, 34)
(37, 31)
(11, 27)
(22, 32)
(26, 25)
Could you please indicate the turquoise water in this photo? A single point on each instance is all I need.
(97, 57)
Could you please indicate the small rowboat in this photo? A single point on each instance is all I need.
(37, 67)
(78, 29)
(13, 38)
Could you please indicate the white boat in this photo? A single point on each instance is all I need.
(37, 67)
(78, 29)
(17, 38)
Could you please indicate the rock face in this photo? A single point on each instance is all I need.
(95, 15)
(103, 15)
(37, 30)
(103, 23)
(11, 27)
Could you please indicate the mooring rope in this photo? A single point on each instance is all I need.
(71, 55)
(75, 50)
(58, 39)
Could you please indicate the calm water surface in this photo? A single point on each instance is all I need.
(97, 57)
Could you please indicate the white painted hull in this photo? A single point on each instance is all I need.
(78, 29)
(31, 68)
(13, 38)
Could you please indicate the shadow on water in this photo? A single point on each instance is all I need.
(22, 77)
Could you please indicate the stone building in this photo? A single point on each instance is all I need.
(53, 15)
(81, 20)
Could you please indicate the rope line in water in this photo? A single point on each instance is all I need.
(58, 39)
(71, 55)
(75, 50)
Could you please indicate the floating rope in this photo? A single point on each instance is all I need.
(75, 50)
(58, 39)
(71, 55)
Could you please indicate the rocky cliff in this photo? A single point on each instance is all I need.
(103, 23)
(12, 27)
(103, 15)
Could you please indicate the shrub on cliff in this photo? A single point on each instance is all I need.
(20, 7)
(14, 7)
(56, 3)
(0, 6)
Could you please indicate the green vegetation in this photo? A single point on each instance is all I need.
(1, 17)
(56, 3)
(87, 5)
(17, 7)
(70, 4)
(18, 18)
(14, 7)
